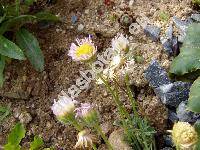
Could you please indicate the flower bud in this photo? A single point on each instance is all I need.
(63, 108)
(88, 113)
(184, 135)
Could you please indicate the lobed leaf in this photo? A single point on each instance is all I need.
(189, 58)
(30, 45)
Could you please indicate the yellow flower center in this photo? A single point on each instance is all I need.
(85, 49)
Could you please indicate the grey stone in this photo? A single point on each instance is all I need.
(174, 93)
(152, 31)
(196, 17)
(180, 24)
(167, 45)
(172, 116)
(168, 140)
(156, 75)
(184, 115)
(169, 32)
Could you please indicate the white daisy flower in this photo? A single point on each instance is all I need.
(64, 106)
(84, 51)
(120, 43)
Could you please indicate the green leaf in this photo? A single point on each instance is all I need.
(10, 49)
(17, 134)
(16, 21)
(29, 2)
(46, 16)
(197, 127)
(189, 58)
(194, 97)
(37, 143)
(30, 45)
(4, 112)
(9, 146)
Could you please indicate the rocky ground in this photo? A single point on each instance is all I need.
(30, 94)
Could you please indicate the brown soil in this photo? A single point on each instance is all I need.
(30, 92)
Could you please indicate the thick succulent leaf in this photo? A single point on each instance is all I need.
(189, 58)
(16, 21)
(37, 143)
(30, 45)
(17, 134)
(10, 49)
(46, 16)
(194, 97)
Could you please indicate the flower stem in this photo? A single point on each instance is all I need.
(100, 132)
(124, 114)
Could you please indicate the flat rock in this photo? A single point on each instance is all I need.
(156, 75)
(172, 116)
(196, 17)
(168, 140)
(174, 93)
(184, 115)
(182, 24)
(116, 139)
(152, 31)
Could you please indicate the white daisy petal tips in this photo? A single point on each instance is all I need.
(83, 51)
(120, 43)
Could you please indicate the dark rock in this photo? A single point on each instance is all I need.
(156, 75)
(184, 115)
(167, 45)
(152, 31)
(196, 17)
(172, 116)
(174, 93)
(170, 43)
(175, 46)
(168, 140)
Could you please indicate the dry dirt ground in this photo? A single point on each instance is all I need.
(30, 93)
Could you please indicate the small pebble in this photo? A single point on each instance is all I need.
(80, 27)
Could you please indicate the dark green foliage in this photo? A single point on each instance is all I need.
(187, 63)
(12, 18)
(29, 44)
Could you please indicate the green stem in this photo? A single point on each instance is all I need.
(100, 132)
(115, 95)
(130, 95)
(17, 7)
